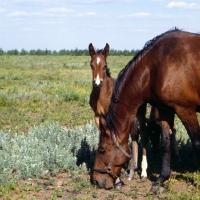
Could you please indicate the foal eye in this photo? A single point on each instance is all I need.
(91, 67)
(102, 151)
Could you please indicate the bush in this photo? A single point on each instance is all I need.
(47, 149)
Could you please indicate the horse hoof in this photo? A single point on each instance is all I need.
(144, 175)
(118, 187)
(118, 183)
(154, 189)
(130, 175)
(129, 178)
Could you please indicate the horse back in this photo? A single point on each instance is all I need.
(175, 73)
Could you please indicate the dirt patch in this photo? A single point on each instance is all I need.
(65, 186)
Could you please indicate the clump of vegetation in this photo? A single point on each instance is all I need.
(47, 149)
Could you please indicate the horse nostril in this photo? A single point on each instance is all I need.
(95, 182)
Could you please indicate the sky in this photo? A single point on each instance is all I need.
(71, 24)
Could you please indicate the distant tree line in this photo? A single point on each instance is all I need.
(75, 52)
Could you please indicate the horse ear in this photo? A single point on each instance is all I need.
(106, 50)
(91, 49)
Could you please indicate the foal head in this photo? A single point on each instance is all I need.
(99, 65)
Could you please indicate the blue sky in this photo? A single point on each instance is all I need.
(70, 24)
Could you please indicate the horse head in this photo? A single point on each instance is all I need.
(110, 157)
(99, 65)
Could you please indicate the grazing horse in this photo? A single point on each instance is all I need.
(102, 89)
(166, 74)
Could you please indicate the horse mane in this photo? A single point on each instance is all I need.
(108, 73)
(120, 79)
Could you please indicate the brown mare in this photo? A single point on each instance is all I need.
(102, 89)
(166, 74)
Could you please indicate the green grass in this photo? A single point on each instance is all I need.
(45, 100)
(42, 89)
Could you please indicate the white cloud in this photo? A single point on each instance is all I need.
(182, 5)
(158, 0)
(135, 15)
(86, 14)
(90, 13)
(29, 29)
(18, 14)
(2, 10)
(147, 15)
(58, 2)
(58, 10)
(47, 22)
(50, 22)
(48, 12)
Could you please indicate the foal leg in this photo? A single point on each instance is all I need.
(144, 137)
(167, 120)
(133, 164)
(174, 144)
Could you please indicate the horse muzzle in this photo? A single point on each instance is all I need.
(104, 183)
(98, 85)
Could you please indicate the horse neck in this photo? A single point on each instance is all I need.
(107, 86)
(133, 91)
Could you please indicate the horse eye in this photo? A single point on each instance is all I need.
(91, 67)
(104, 67)
(102, 151)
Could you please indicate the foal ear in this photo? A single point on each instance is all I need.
(91, 49)
(106, 50)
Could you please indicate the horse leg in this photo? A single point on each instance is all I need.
(189, 119)
(174, 144)
(133, 164)
(154, 132)
(167, 120)
(144, 137)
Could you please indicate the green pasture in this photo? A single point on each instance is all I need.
(47, 127)
(40, 89)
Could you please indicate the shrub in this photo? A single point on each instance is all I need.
(47, 149)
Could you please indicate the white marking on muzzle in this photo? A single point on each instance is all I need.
(97, 80)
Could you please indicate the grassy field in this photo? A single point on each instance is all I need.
(42, 89)
(44, 99)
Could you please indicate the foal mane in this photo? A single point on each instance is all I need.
(111, 115)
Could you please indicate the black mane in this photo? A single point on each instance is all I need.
(123, 72)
